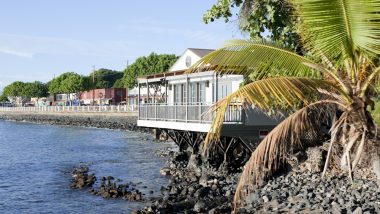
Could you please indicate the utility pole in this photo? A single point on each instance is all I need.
(126, 88)
(93, 85)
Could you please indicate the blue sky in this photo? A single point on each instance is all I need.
(43, 38)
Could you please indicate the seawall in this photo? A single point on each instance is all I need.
(123, 121)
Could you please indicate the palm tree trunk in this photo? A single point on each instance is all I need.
(356, 132)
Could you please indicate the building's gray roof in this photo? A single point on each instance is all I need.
(201, 52)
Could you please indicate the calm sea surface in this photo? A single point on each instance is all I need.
(36, 160)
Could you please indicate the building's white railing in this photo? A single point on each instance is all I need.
(193, 113)
(118, 108)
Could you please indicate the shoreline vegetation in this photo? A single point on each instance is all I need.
(195, 187)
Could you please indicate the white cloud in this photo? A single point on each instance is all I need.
(16, 53)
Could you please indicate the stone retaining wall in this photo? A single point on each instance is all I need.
(124, 121)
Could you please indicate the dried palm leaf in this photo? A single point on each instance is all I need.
(282, 93)
(273, 150)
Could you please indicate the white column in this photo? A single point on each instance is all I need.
(187, 96)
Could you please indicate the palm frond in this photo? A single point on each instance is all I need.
(261, 59)
(337, 27)
(273, 150)
(280, 93)
(372, 79)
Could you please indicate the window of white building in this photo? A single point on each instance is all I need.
(223, 90)
(193, 92)
(184, 93)
(177, 93)
(197, 93)
(202, 92)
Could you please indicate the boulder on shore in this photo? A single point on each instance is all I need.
(81, 178)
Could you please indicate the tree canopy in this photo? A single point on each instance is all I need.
(3, 98)
(26, 89)
(15, 89)
(36, 89)
(69, 82)
(153, 63)
(119, 83)
(105, 78)
(260, 18)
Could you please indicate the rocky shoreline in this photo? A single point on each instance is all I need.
(195, 188)
(96, 120)
(304, 191)
(110, 187)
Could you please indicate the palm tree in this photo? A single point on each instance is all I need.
(338, 73)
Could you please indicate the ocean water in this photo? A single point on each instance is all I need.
(36, 161)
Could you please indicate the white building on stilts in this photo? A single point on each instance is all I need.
(177, 103)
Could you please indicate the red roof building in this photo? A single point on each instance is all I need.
(104, 96)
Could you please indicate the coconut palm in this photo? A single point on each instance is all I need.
(336, 78)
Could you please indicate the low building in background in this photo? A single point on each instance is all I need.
(42, 101)
(18, 101)
(65, 99)
(103, 96)
(156, 94)
(6, 104)
(132, 96)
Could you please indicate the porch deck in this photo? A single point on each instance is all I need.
(189, 117)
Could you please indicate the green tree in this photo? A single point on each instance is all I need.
(105, 78)
(55, 85)
(14, 89)
(69, 82)
(73, 84)
(154, 63)
(274, 19)
(341, 73)
(36, 89)
(3, 98)
(26, 90)
(119, 83)
(16, 92)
